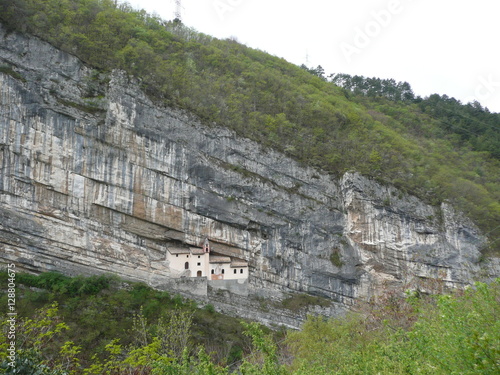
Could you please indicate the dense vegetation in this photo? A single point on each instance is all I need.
(475, 126)
(101, 325)
(435, 148)
(94, 311)
(443, 334)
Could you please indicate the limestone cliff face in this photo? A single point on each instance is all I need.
(96, 178)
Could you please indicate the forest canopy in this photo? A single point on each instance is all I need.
(436, 148)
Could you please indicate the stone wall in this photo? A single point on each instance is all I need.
(239, 287)
(190, 286)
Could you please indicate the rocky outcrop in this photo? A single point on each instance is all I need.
(95, 177)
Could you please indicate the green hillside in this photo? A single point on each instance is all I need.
(98, 309)
(102, 325)
(435, 148)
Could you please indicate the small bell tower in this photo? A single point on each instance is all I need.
(206, 246)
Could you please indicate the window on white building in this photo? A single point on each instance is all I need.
(198, 264)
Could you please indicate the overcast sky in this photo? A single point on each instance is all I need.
(439, 46)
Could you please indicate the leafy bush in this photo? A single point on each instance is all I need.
(8, 70)
(210, 308)
(457, 333)
(449, 334)
(299, 301)
(59, 283)
(336, 259)
(98, 309)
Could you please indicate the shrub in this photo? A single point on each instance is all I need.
(336, 259)
(299, 301)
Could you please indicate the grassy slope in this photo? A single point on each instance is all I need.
(99, 309)
(441, 334)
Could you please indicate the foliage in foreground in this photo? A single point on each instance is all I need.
(455, 333)
(157, 355)
(444, 334)
(98, 309)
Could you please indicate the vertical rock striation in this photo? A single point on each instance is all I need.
(96, 178)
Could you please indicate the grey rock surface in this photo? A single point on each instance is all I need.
(97, 178)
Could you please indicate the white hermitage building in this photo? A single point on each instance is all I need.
(200, 262)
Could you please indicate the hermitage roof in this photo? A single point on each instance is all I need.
(178, 250)
(196, 250)
(238, 263)
(219, 259)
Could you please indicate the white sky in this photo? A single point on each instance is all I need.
(447, 47)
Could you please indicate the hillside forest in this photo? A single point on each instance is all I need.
(104, 325)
